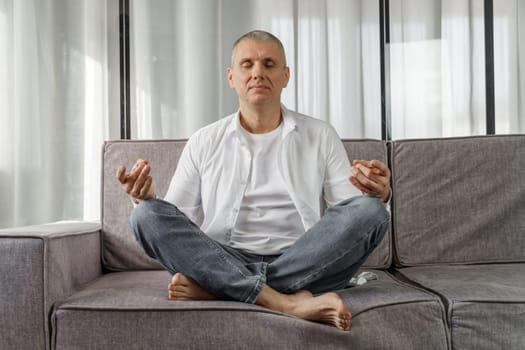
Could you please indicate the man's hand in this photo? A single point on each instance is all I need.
(137, 183)
(372, 178)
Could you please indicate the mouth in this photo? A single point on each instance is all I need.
(258, 87)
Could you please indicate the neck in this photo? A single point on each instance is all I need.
(260, 121)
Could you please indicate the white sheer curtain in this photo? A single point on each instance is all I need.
(437, 61)
(509, 63)
(438, 67)
(54, 107)
(59, 82)
(180, 50)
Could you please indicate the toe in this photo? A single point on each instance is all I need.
(176, 278)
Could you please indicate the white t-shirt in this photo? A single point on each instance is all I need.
(212, 173)
(268, 221)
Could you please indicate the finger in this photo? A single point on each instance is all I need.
(369, 178)
(362, 162)
(121, 174)
(358, 168)
(372, 186)
(141, 179)
(378, 170)
(362, 173)
(138, 163)
(361, 187)
(376, 175)
(146, 188)
(377, 164)
(356, 183)
(359, 176)
(137, 169)
(365, 170)
(125, 179)
(131, 177)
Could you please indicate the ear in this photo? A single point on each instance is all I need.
(229, 72)
(287, 76)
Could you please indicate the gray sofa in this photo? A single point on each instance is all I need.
(451, 269)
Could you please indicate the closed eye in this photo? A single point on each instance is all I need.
(246, 64)
(269, 63)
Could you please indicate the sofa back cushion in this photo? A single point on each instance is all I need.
(459, 200)
(121, 252)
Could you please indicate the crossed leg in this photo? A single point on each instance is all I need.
(162, 229)
(327, 308)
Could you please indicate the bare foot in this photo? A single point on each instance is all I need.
(185, 288)
(327, 308)
(302, 294)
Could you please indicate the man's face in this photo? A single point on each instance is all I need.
(258, 72)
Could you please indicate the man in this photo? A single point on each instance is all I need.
(242, 217)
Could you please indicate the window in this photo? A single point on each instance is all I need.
(437, 63)
(180, 51)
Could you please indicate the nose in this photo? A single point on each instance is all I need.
(257, 71)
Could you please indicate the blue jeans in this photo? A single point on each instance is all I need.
(322, 259)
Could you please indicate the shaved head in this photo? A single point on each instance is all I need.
(262, 36)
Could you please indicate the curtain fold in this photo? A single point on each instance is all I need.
(54, 109)
(509, 65)
(181, 49)
(437, 63)
(438, 67)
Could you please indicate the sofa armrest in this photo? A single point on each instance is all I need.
(40, 265)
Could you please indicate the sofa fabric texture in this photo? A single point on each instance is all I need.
(450, 271)
(24, 258)
(41, 265)
(485, 303)
(129, 310)
(453, 196)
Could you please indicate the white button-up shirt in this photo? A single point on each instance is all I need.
(214, 168)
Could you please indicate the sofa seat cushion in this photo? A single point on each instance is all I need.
(485, 303)
(130, 310)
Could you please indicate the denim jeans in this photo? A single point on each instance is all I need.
(322, 259)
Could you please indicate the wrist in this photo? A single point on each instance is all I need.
(386, 196)
(137, 200)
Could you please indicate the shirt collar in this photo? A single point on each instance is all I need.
(289, 123)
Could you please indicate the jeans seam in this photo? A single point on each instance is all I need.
(210, 244)
(253, 289)
(252, 295)
(188, 223)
